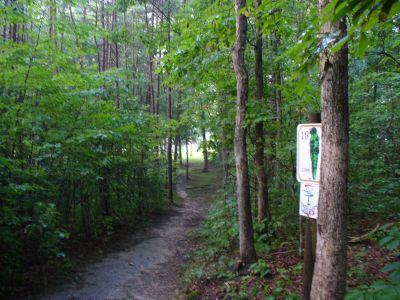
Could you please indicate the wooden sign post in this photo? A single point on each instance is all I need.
(308, 166)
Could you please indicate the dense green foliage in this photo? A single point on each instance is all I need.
(205, 41)
(74, 165)
(375, 132)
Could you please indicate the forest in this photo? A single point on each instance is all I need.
(115, 114)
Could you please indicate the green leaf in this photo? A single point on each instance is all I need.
(371, 21)
(391, 267)
(339, 44)
(385, 240)
(362, 45)
(355, 295)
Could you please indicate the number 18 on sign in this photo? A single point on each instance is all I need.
(308, 166)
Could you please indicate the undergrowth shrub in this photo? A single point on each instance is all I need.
(388, 236)
(73, 170)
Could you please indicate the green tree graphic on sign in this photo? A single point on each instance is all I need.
(314, 151)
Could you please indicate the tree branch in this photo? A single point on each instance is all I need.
(390, 56)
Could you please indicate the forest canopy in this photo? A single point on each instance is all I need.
(99, 97)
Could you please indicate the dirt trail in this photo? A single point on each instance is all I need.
(150, 268)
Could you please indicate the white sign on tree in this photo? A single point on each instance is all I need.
(308, 167)
(309, 194)
(308, 152)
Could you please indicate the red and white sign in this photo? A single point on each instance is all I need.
(309, 194)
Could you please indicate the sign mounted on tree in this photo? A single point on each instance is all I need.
(308, 166)
(309, 194)
(308, 152)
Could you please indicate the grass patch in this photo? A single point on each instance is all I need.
(200, 183)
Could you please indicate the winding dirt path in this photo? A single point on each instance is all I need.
(149, 269)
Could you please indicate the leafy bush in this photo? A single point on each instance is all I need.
(220, 230)
(72, 167)
(260, 268)
(389, 238)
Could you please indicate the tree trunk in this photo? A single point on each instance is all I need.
(103, 26)
(52, 22)
(246, 243)
(150, 89)
(187, 159)
(262, 196)
(169, 148)
(205, 152)
(117, 96)
(158, 91)
(99, 69)
(225, 163)
(180, 150)
(277, 81)
(329, 280)
(226, 144)
(175, 154)
(159, 75)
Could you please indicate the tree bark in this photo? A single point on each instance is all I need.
(159, 75)
(277, 81)
(226, 144)
(103, 25)
(117, 96)
(158, 90)
(52, 22)
(150, 88)
(246, 243)
(225, 163)
(205, 152)
(99, 66)
(329, 280)
(187, 159)
(262, 195)
(176, 149)
(180, 150)
(169, 149)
